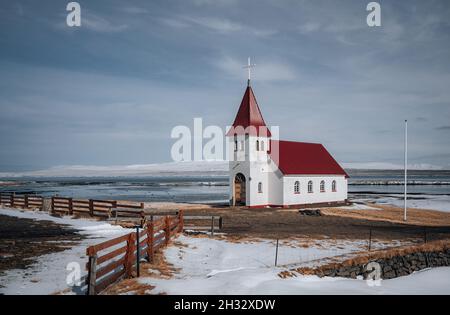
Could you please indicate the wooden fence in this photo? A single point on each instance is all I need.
(206, 223)
(91, 207)
(71, 206)
(23, 201)
(118, 258)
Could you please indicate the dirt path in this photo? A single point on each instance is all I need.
(23, 240)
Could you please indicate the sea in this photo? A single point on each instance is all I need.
(429, 189)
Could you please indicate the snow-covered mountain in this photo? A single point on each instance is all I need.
(173, 168)
(191, 168)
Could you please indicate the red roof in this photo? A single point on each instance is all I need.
(300, 158)
(249, 117)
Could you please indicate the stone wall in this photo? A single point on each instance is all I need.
(392, 267)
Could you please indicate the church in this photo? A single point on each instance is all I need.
(264, 172)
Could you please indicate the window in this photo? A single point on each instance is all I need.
(257, 145)
(322, 186)
(262, 146)
(297, 187)
(235, 143)
(333, 186)
(260, 188)
(310, 186)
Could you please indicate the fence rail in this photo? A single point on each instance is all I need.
(71, 206)
(117, 258)
(23, 201)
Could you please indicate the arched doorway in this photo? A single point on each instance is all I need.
(239, 189)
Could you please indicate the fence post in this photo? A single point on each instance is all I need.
(370, 239)
(167, 228)
(92, 275)
(220, 223)
(150, 242)
(25, 201)
(53, 204)
(212, 226)
(138, 249)
(91, 207)
(70, 206)
(129, 255)
(276, 254)
(425, 235)
(180, 221)
(13, 196)
(113, 206)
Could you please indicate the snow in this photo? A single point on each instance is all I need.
(176, 168)
(48, 275)
(430, 202)
(209, 266)
(389, 166)
(358, 206)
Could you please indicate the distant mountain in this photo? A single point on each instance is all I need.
(163, 169)
(192, 168)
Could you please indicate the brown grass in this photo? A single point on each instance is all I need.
(393, 214)
(160, 268)
(366, 257)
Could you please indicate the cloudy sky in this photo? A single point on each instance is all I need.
(110, 92)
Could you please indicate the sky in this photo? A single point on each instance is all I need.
(111, 91)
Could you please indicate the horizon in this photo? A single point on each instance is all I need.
(196, 167)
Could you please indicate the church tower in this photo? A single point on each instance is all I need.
(248, 143)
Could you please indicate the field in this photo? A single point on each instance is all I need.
(243, 252)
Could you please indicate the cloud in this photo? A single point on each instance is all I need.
(99, 24)
(134, 10)
(216, 24)
(264, 71)
(443, 128)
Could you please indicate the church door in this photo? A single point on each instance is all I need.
(239, 190)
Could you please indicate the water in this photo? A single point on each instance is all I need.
(373, 185)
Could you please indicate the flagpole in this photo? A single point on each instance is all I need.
(406, 170)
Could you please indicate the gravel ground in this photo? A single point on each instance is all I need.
(22, 240)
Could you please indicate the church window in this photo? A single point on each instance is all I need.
(260, 188)
(322, 186)
(235, 143)
(257, 145)
(333, 186)
(297, 187)
(310, 186)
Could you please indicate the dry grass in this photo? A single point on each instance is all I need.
(365, 257)
(160, 269)
(394, 214)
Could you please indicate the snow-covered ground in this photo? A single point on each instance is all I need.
(426, 201)
(48, 275)
(431, 202)
(209, 266)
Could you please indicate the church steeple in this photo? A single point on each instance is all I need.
(249, 115)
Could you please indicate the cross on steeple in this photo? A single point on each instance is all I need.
(249, 67)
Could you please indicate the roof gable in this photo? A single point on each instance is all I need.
(300, 158)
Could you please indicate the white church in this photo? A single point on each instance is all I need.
(272, 173)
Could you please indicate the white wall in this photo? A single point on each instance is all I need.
(278, 190)
(304, 197)
(253, 165)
